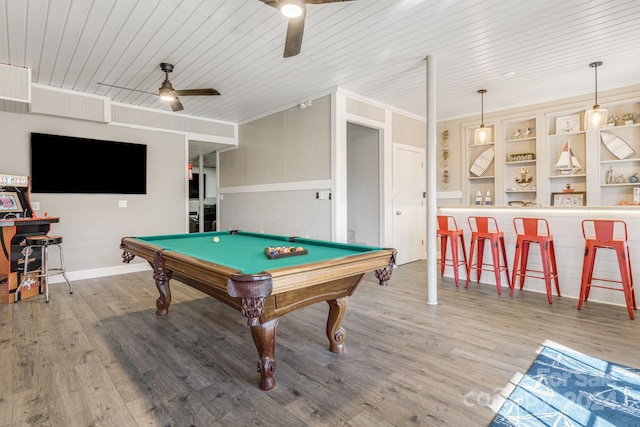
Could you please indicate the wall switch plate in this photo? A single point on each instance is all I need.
(35, 206)
(122, 203)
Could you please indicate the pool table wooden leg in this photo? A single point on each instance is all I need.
(162, 276)
(335, 332)
(264, 337)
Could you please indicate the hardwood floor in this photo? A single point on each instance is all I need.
(100, 357)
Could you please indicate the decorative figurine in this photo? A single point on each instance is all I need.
(478, 198)
(568, 188)
(529, 131)
(619, 179)
(609, 176)
(524, 179)
(517, 133)
(634, 177)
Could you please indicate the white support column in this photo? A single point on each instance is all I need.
(432, 256)
(201, 193)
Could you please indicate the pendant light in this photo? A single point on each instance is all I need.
(483, 134)
(597, 117)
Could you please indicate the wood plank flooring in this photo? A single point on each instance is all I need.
(101, 357)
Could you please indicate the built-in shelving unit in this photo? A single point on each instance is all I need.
(619, 154)
(520, 162)
(480, 166)
(604, 163)
(566, 161)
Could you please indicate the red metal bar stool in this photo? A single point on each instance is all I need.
(44, 272)
(534, 230)
(606, 234)
(448, 231)
(486, 228)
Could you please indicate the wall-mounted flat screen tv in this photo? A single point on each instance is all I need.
(64, 164)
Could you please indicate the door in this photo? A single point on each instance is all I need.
(409, 210)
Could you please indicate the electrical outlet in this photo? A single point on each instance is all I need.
(122, 203)
(35, 206)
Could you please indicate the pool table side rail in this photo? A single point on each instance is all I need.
(284, 279)
(207, 277)
(287, 279)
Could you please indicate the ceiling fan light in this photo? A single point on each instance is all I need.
(291, 9)
(166, 94)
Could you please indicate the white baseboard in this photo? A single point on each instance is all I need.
(102, 272)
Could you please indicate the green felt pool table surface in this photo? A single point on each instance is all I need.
(244, 251)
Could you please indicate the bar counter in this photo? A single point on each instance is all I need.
(565, 226)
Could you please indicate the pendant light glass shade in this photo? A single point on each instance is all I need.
(483, 133)
(597, 117)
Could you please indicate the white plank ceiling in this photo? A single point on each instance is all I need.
(373, 48)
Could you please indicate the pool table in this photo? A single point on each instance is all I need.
(233, 267)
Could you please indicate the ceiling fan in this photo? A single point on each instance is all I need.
(296, 11)
(167, 93)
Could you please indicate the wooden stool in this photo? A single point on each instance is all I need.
(486, 228)
(42, 242)
(607, 234)
(448, 230)
(534, 230)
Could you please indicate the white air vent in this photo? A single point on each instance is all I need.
(15, 83)
(66, 103)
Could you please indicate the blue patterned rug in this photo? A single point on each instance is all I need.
(565, 388)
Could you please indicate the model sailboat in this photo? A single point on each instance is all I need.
(567, 164)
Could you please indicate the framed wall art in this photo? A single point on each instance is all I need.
(568, 124)
(569, 199)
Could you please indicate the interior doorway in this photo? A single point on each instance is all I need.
(364, 145)
(203, 187)
(409, 196)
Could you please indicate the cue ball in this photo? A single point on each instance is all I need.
(216, 239)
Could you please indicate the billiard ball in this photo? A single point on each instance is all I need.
(216, 239)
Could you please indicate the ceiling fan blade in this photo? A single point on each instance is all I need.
(127, 88)
(196, 92)
(176, 105)
(295, 31)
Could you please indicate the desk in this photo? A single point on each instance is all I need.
(14, 233)
(237, 272)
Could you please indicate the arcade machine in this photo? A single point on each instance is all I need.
(17, 222)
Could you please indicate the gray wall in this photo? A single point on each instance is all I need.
(269, 183)
(290, 213)
(93, 224)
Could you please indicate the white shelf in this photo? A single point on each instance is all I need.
(529, 138)
(577, 175)
(472, 178)
(522, 162)
(568, 134)
(486, 144)
(612, 162)
(620, 127)
(624, 184)
(520, 191)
